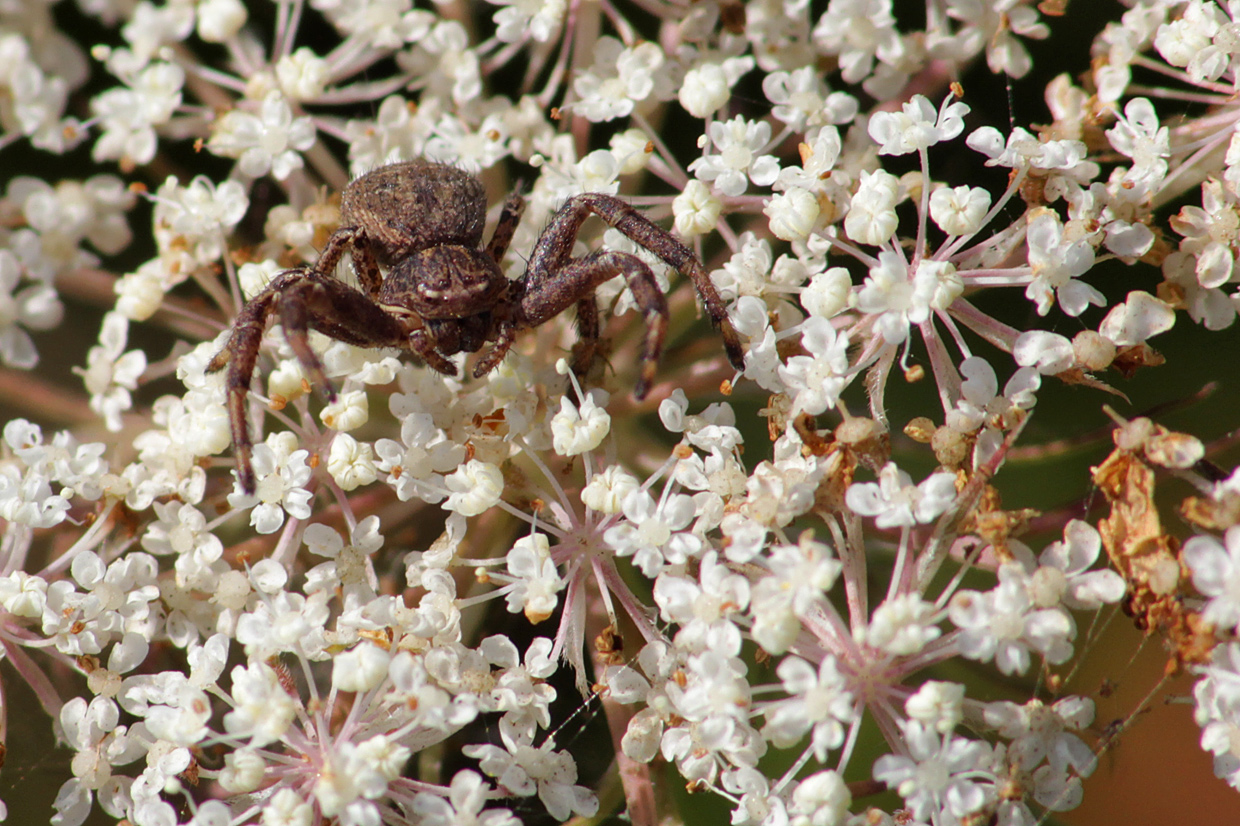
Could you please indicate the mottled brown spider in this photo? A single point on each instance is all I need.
(444, 293)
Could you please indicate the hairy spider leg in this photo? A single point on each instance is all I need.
(304, 301)
(505, 333)
(549, 297)
(509, 218)
(555, 245)
(354, 241)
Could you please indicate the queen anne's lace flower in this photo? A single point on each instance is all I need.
(736, 162)
(268, 142)
(746, 598)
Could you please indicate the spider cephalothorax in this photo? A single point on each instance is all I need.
(444, 292)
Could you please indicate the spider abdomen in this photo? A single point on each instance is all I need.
(405, 207)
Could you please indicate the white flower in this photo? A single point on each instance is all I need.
(281, 472)
(872, 217)
(1138, 135)
(937, 705)
(818, 378)
(302, 75)
(1216, 574)
(575, 430)
(262, 709)
(525, 770)
(128, 116)
(857, 31)
(463, 804)
(1049, 353)
(110, 372)
(182, 530)
(651, 532)
(1022, 149)
(827, 292)
(902, 625)
(361, 668)
(349, 411)
(476, 486)
(268, 142)
(820, 799)
(194, 218)
(619, 79)
(793, 214)
(1190, 41)
(959, 210)
(801, 99)
(518, 19)
(917, 126)
(1056, 260)
(35, 306)
(897, 502)
(1005, 624)
(1041, 733)
(941, 776)
(704, 609)
(696, 209)
(415, 465)
(1064, 574)
(536, 581)
(980, 404)
(351, 463)
(902, 301)
(219, 20)
(707, 86)
(738, 141)
(819, 701)
(607, 490)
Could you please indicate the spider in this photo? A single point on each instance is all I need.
(444, 292)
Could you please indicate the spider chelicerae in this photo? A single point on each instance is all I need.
(444, 292)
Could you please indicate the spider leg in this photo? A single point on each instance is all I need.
(587, 335)
(354, 241)
(304, 302)
(505, 334)
(555, 245)
(547, 297)
(424, 346)
(240, 355)
(509, 218)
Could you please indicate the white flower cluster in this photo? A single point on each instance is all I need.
(729, 578)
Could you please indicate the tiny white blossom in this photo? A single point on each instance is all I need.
(35, 306)
(281, 472)
(1056, 260)
(917, 125)
(575, 430)
(897, 502)
(271, 141)
(349, 411)
(738, 141)
(941, 775)
(607, 490)
(111, 373)
(220, 20)
(793, 213)
(872, 217)
(476, 486)
(620, 78)
(818, 701)
(817, 378)
(959, 210)
(696, 209)
(351, 463)
(1216, 574)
